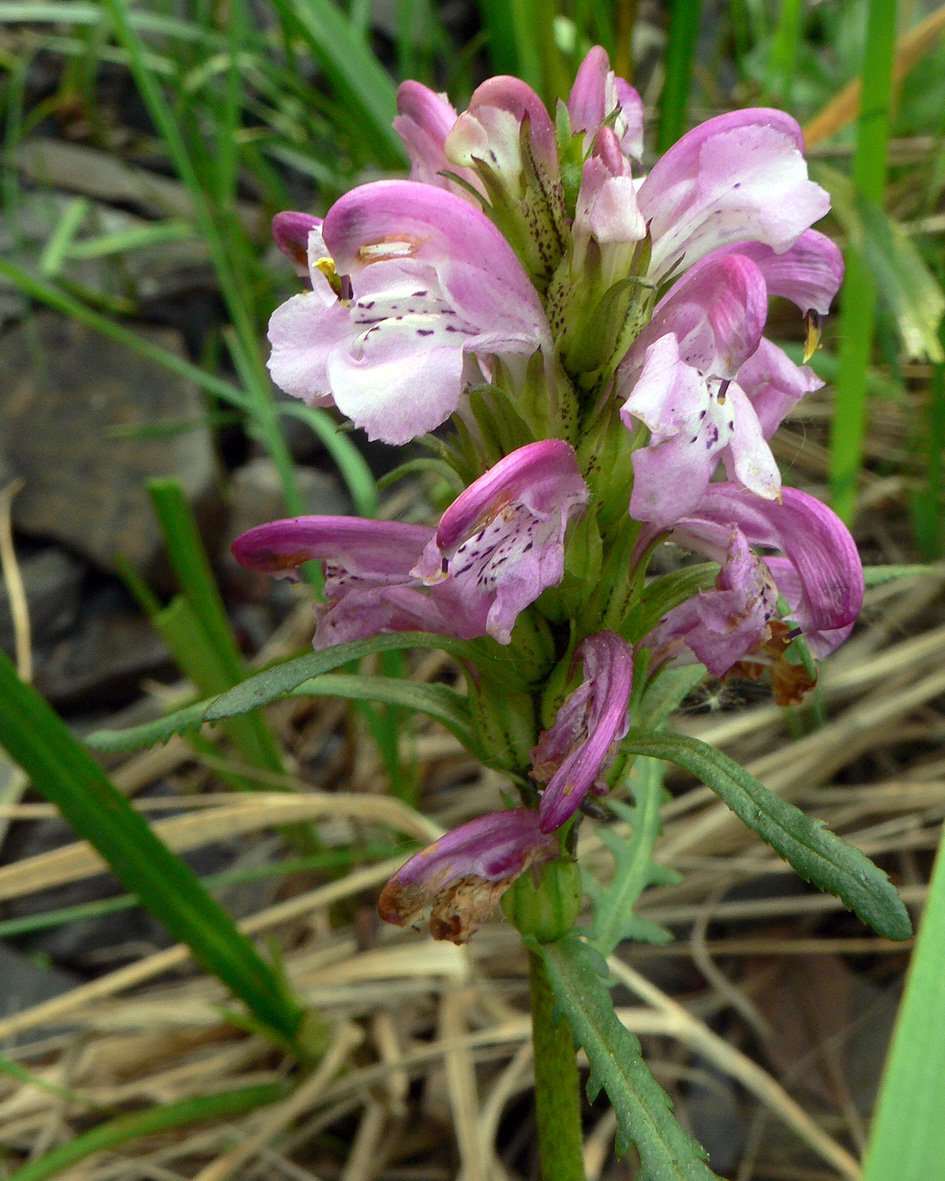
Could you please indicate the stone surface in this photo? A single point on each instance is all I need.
(255, 495)
(71, 401)
(100, 664)
(137, 273)
(52, 580)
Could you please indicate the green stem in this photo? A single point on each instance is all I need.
(557, 1091)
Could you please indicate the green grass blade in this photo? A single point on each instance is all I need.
(352, 68)
(816, 853)
(684, 18)
(644, 1111)
(907, 1142)
(352, 465)
(858, 296)
(150, 1122)
(199, 631)
(511, 40)
(783, 61)
(67, 775)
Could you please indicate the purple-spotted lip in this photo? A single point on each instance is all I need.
(546, 462)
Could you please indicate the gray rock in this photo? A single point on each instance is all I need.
(255, 495)
(77, 416)
(137, 273)
(26, 984)
(52, 580)
(100, 664)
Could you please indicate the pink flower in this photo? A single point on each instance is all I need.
(737, 177)
(598, 94)
(573, 756)
(412, 281)
(503, 538)
(497, 547)
(706, 384)
(465, 873)
(424, 120)
(817, 572)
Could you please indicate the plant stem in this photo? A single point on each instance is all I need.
(557, 1091)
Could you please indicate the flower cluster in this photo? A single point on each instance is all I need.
(595, 336)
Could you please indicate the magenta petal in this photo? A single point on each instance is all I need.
(596, 94)
(574, 755)
(465, 872)
(722, 625)
(819, 575)
(716, 311)
(369, 587)
(736, 177)
(490, 130)
(812, 538)
(423, 122)
(290, 231)
(380, 550)
(808, 273)
(501, 542)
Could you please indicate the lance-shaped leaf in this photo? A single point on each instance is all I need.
(269, 685)
(817, 854)
(644, 1111)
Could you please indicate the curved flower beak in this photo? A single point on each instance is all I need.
(599, 95)
(574, 755)
(465, 873)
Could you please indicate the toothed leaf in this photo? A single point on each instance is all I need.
(817, 854)
(644, 1111)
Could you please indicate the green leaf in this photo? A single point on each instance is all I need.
(903, 280)
(665, 593)
(634, 869)
(667, 691)
(816, 853)
(907, 1142)
(265, 687)
(352, 67)
(150, 1122)
(440, 702)
(644, 1111)
(67, 775)
(196, 627)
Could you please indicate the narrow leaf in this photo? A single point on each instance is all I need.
(69, 777)
(634, 868)
(150, 1122)
(269, 685)
(644, 1111)
(440, 702)
(908, 1136)
(816, 853)
(283, 679)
